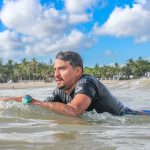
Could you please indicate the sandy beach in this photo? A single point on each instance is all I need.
(41, 84)
(25, 85)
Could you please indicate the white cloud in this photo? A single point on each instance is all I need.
(74, 41)
(10, 44)
(143, 2)
(33, 29)
(123, 22)
(77, 10)
(79, 7)
(13, 45)
(30, 18)
(76, 18)
(10, 40)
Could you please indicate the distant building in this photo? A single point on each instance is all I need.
(131, 76)
(120, 76)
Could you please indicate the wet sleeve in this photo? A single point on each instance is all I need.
(85, 88)
(53, 97)
(50, 98)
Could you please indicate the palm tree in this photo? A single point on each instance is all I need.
(10, 69)
(2, 71)
(34, 67)
(24, 69)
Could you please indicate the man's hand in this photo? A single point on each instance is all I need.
(26, 99)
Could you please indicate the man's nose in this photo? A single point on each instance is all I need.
(56, 72)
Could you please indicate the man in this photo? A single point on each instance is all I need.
(76, 92)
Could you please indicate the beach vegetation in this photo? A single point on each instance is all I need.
(33, 70)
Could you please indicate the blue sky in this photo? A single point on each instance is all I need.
(102, 31)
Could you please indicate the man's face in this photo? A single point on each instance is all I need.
(65, 75)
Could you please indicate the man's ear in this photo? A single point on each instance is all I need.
(79, 70)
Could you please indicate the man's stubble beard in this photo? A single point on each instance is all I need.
(61, 87)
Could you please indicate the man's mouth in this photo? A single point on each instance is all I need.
(58, 80)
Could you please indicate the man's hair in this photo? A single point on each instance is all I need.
(73, 58)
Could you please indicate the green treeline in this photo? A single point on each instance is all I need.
(33, 70)
(132, 69)
(26, 70)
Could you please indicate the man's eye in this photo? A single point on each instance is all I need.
(62, 68)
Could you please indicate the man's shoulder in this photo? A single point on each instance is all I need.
(87, 78)
(86, 85)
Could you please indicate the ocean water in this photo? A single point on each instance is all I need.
(32, 127)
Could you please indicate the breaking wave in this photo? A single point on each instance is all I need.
(131, 84)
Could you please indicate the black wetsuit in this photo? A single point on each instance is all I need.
(101, 99)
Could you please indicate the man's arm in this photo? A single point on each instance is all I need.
(76, 107)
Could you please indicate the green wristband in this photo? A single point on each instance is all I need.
(26, 99)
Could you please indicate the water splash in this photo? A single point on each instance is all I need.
(106, 118)
(15, 109)
(103, 118)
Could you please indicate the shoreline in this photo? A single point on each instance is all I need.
(41, 84)
(26, 85)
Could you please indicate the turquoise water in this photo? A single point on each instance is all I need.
(31, 127)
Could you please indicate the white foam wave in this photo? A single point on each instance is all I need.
(132, 84)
